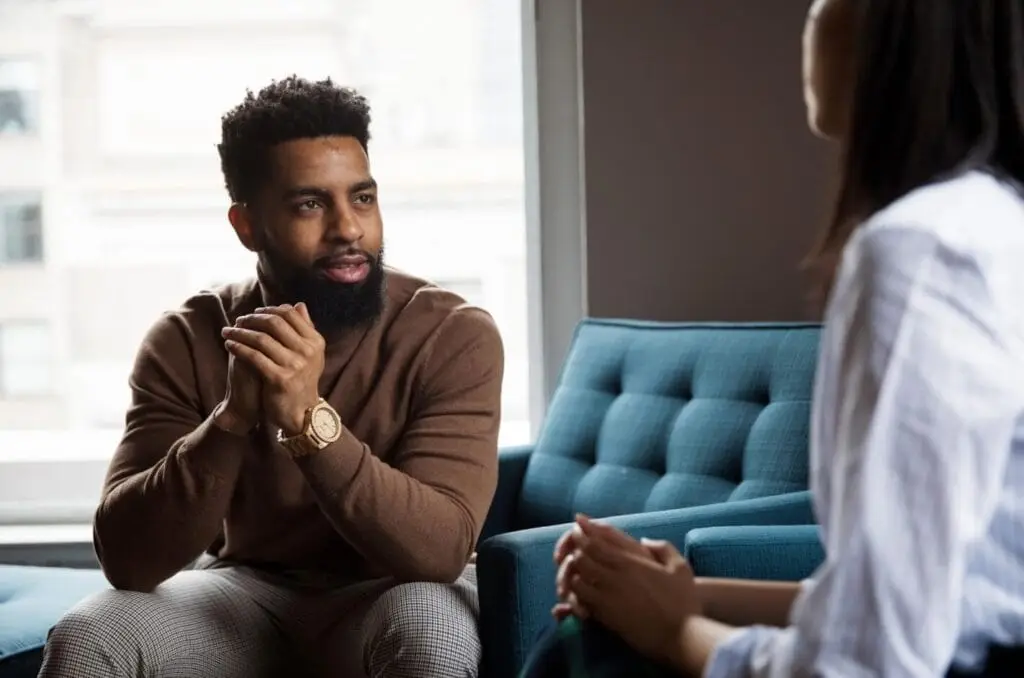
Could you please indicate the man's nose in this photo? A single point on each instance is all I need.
(344, 225)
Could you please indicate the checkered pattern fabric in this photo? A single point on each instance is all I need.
(232, 622)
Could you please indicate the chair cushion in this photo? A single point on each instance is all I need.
(32, 599)
(654, 416)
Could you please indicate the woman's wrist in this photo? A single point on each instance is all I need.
(706, 595)
(698, 639)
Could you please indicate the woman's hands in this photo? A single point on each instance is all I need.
(643, 591)
(565, 555)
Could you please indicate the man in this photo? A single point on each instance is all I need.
(325, 435)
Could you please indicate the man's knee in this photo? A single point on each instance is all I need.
(424, 629)
(109, 616)
(92, 637)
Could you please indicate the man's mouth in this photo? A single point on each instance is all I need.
(349, 269)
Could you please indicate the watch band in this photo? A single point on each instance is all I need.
(321, 427)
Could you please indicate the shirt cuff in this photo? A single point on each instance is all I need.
(733, 657)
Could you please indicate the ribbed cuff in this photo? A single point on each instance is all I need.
(337, 464)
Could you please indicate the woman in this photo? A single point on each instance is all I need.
(917, 439)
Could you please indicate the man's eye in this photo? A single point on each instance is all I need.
(309, 205)
(366, 198)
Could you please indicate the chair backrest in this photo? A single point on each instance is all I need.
(652, 416)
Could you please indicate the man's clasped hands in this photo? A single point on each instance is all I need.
(643, 590)
(276, 360)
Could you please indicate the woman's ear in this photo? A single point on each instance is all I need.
(829, 65)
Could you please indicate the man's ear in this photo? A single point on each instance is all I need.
(241, 221)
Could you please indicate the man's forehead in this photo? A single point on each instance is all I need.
(333, 160)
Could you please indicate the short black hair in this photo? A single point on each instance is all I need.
(285, 110)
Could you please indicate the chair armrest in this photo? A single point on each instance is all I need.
(512, 463)
(777, 552)
(516, 571)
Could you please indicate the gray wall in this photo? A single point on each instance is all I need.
(704, 188)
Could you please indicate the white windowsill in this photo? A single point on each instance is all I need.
(45, 534)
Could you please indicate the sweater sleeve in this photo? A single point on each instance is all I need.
(419, 517)
(172, 476)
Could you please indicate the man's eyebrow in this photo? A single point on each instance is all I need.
(364, 185)
(307, 192)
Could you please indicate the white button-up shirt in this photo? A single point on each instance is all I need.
(917, 449)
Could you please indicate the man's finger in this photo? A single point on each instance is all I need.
(261, 342)
(264, 366)
(304, 310)
(297, 316)
(276, 324)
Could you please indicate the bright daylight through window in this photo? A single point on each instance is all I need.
(113, 209)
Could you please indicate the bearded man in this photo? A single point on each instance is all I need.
(309, 456)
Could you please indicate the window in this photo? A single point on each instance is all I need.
(25, 360)
(134, 199)
(471, 290)
(21, 229)
(19, 97)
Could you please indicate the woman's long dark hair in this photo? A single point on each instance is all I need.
(939, 90)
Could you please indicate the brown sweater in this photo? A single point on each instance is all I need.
(403, 493)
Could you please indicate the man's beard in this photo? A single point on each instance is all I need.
(333, 306)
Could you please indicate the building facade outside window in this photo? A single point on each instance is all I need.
(21, 228)
(19, 97)
(113, 108)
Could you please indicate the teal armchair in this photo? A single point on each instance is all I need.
(770, 553)
(665, 429)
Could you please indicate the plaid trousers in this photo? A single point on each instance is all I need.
(221, 621)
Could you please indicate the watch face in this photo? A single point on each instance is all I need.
(325, 424)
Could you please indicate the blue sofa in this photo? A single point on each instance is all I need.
(672, 428)
(32, 599)
(681, 430)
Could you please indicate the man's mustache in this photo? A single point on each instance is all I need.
(348, 257)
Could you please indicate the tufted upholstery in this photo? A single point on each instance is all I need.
(31, 601)
(649, 417)
(668, 427)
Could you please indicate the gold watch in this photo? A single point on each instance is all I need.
(322, 427)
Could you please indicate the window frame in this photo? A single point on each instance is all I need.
(34, 130)
(32, 197)
(555, 189)
(555, 239)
